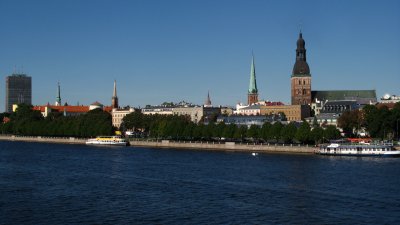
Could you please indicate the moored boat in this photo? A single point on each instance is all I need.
(385, 150)
(107, 140)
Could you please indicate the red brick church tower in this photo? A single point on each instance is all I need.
(301, 77)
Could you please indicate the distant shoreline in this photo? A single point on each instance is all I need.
(203, 146)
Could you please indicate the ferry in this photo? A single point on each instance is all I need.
(385, 150)
(107, 140)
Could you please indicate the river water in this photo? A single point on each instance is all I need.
(77, 184)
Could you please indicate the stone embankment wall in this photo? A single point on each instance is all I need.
(212, 146)
(227, 146)
(65, 140)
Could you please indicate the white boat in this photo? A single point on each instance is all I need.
(107, 140)
(386, 150)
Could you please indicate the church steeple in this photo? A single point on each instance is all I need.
(114, 100)
(58, 98)
(301, 67)
(207, 103)
(253, 81)
(301, 77)
(252, 95)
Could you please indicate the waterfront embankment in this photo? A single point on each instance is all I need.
(228, 146)
(210, 145)
(60, 140)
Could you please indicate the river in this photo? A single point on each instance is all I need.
(76, 184)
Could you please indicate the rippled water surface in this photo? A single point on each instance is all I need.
(76, 184)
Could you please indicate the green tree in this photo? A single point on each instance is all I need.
(219, 130)
(265, 131)
(230, 130)
(303, 133)
(317, 134)
(288, 133)
(275, 131)
(241, 132)
(331, 133)
(253, 131)
(350, 121)
(395, 120)
(208, 131)
(134, 121)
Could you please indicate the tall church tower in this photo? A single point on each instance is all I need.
(114, 100)
(58, 99)
(252, 95)
(301, 77)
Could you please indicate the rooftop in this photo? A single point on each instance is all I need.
(344, 95)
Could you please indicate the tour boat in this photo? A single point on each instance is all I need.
(107, 140)
(386, 150)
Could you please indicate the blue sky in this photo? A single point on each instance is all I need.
(178, 50)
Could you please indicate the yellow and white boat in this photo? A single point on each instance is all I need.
(107, 140)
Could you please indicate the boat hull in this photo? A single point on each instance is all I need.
(105, 144)
(107, 141)
(362, 155)
(359, 150)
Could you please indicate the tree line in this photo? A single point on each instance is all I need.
(181, 128)
(29, 122)
(379, 122)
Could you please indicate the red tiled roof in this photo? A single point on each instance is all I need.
(108, 108)
(69, 108)
(274, 103)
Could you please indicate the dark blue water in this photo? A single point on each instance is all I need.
(73, 184)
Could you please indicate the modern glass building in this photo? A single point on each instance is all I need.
(18, 90)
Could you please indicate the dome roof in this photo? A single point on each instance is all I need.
(301, 68)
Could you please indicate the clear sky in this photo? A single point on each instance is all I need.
(178, 50)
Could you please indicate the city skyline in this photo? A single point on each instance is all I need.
(171, 51)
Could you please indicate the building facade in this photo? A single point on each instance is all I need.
(301, 77)
(18, 90)
(162, 110)
(118, 114)
(292, 112)
(249, 110)
(197, 113)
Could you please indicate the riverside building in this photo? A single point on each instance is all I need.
(18, 90)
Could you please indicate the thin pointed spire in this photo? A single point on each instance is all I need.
(208, 100)
(114, 99)
(115, 89)
(253, 81)
(58, 99)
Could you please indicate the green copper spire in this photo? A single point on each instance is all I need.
(253, 82)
